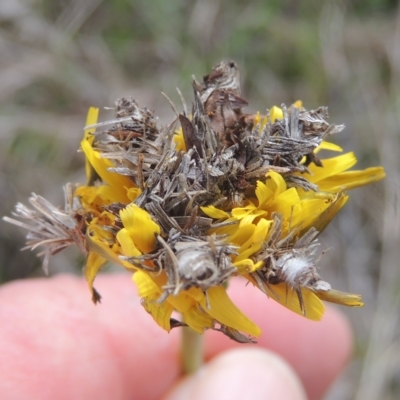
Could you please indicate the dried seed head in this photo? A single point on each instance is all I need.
(291, 260)
(197, 266)
(220, 157)
(298, 269)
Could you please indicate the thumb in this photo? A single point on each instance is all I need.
(241, 374)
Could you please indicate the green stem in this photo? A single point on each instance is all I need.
(192, 350)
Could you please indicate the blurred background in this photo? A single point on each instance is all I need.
(58, 57)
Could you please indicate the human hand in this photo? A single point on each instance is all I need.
(54, 343)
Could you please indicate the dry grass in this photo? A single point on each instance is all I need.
(58, 58)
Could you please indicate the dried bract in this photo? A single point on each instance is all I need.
(50, 227)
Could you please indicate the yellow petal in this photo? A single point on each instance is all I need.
(214, 212)
(225, 230)
(298, 104)
(104, 219)
(107, 194)
(101, 247)
(94, 198)
(127, 244)
(197, 319)
(258, 120)
(342, 298)
(242, 234)
(186, 299)
(179, 140)
(196, 293)
(286, 203)
(311, 209)
(255, 242)
(275, 113)
(249, 252)
(244, 266)
(88, 196)
(247, 265)
(93, 264)
(224, 311)
(140, 226)
(263, 193)
(241, 212)
(331, 166)
(328, 146)
(146, 286)
(275, 182)
(161, 313)
(286, 296)
(352, 179)
(86, 193)
(133, 193)
(181, 302)
(119, 183)
(248, 219)
(322, 219)
(91, 119)
(259, 234)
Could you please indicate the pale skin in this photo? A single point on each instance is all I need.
(54, 343)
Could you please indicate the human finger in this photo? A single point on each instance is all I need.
(241, 373)
(318, 351)
(55, 343)
(53, 330)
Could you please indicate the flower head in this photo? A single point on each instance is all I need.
(227, 194)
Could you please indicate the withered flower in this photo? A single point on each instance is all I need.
(185, 208)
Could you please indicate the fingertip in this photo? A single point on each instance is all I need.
(110, 350)
(240, 374)
(318, 351)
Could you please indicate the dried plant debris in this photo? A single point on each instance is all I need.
(49, 227)
(214, 194)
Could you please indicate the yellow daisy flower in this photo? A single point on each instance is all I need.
(300, 210)
(227, 194)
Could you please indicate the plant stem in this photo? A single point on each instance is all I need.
(192, 350)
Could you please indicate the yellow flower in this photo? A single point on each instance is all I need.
(274, 196)
(200, 310)
(300, 210)
(250, 235)
(191, 303)
(137, 237)
(155, 211)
